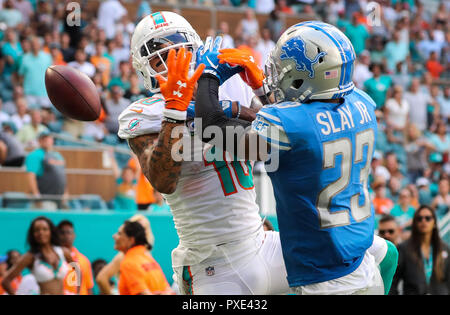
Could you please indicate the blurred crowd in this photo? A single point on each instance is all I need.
(403, 63)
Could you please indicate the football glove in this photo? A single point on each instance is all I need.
(252, 74)
(208, 55)
(178, 88)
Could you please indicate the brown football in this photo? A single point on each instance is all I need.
(72, 92)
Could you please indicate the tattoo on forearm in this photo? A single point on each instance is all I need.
(156, 160)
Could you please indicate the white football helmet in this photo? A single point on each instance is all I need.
(149, 41)
(311, 60)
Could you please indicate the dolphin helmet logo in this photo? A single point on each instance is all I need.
(295, 49)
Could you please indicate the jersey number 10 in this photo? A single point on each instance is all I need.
(242, 171)
(343, 147)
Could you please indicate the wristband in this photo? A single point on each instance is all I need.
(239, 111)
(173, 121)
(174, 114)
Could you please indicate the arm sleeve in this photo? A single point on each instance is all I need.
(208, 108)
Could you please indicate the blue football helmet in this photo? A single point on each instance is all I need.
(311, 60)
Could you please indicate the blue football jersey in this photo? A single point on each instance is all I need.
(324, 211)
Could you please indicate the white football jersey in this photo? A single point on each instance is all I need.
(215, 200)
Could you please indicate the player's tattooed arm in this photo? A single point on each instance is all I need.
(155, 158)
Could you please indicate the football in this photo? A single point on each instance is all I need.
(72, 93)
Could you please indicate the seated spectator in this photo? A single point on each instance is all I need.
(25, 8)
(115, 105)
(381, 203)
(248, 26)
(140, 274)
(357, 33)
(441, 203)
(125, 198)
(10, 107)
(57, 56)
(403, 211)
(428, 44)
(101, 63)
(28, 134)
(423, 263)
(108, 13)
(135, 91)
(81, 64)
(4, 117)
(416, 152)
(361, 73)
(67, 51)
(423, 186)
(389, 229)
(434, 66)
(419, 100)
(145, 193)
(96, 130)
(378, 86)
(123, 79)
(393, 165)
(120, 52)
(46, 171)
(21, 117)
(275, 24)
(396, 110)
(224, 31)
(440, 140)
(10, 15)
(379, 173)
(444, 102)
(265, 46)
(395, 51)
(282, 6)
(11, 51)
(11, 150)
(32, 71)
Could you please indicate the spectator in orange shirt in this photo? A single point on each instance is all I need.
(145, 193)
(140, 274)
(381, 204)
(434, 66)
(57, 56)
(101, 63)
(84, 287)
(105, 275)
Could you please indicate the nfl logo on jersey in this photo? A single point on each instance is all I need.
(210, 271)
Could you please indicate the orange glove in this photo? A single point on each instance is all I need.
(252, 74)
(178, 88)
